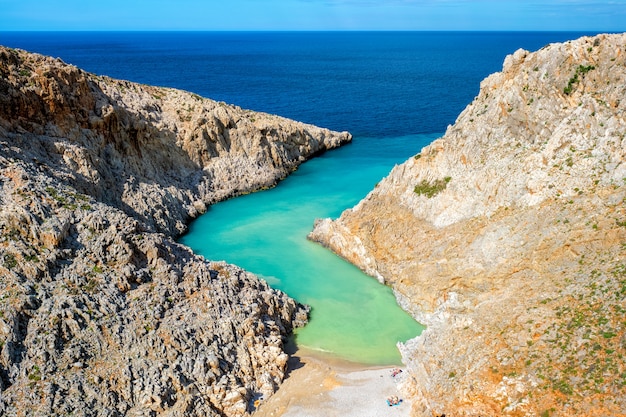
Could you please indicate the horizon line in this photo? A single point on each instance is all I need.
(312, 30)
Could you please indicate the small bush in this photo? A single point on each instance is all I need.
(430, 189)
(9, 261)
(31, 258)
(581, 70)
(35, 375)
(91, 286)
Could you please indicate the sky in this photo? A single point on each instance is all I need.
(524, 15)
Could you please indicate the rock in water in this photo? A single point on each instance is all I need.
(506, 238)
(101, 311)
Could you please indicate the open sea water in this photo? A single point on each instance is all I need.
(395, 91)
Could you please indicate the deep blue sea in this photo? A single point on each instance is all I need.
(374, 84)
(395, 91)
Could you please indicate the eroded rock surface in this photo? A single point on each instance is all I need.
(102, 313)
(506, 238)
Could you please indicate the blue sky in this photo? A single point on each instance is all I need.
(582, 15)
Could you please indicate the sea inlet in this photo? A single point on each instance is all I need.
(354, 318)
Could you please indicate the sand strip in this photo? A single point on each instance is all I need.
(316, 387)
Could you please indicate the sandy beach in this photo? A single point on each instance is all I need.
(315, 387)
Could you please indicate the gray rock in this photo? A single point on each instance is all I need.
(102, 312)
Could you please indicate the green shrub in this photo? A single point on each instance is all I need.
(35, 375)
(430, 189)
(581, 70)
(9, 261)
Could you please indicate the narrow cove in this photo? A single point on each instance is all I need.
(354, 318)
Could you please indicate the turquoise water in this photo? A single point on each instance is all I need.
(353, 317)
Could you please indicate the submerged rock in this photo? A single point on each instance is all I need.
(101, 311)
(505, 237)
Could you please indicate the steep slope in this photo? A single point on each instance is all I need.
(101, 311)
(120, 142)
(506, 238)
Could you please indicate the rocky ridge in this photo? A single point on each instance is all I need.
(506, 238)
(102, 313)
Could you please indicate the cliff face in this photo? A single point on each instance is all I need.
(101, 311)
(121, 142)
(505, 237)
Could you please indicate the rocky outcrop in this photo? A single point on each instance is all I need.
(505, 237)
(159, 154)
(102, 313)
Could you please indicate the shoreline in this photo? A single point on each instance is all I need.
(322, 387)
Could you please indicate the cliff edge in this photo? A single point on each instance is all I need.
(102, 313)
(506, 238)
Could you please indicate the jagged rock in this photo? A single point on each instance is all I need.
(505, 237)
(102, 313)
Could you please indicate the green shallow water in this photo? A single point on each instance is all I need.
(353, 316)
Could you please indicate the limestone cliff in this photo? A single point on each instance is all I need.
(506, 238)
(102, 313)
(121, 142)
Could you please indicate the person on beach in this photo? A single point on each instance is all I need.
(393, 400)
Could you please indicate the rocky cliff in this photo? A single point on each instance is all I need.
(506, 238)
(101, 311)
